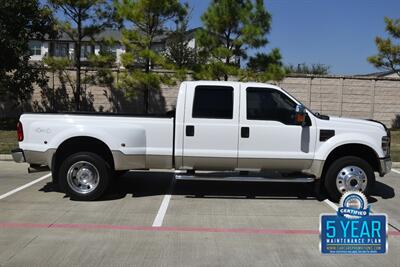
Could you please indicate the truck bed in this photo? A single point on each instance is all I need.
(140, 141)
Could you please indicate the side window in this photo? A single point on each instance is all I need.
(270, 104)
(213, 102)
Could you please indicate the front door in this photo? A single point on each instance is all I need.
(269, 137)
(211, 126)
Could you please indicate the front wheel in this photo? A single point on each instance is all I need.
(349, 174)
(84, 176)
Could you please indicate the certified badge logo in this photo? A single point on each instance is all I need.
(353, 229)
(353, 205)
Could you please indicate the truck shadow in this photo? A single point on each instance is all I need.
(144, 184)
(381, 190)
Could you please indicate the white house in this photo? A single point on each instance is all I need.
(64, 46)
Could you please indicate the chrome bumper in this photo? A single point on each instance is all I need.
(18, 155)
(385, 165)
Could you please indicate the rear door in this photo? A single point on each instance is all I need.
(211, 129)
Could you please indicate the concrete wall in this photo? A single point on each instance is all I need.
(357, 97)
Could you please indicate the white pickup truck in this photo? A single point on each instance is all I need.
(217, 126)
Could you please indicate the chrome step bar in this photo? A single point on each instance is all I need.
(186, 177)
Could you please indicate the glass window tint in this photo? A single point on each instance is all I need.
(213, 102)
(270, 104)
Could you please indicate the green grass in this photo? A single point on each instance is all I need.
(8, 141)
(395, 146)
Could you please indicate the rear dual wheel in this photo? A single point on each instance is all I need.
(348, 173)
(84, 176)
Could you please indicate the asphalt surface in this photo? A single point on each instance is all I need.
(200, 223)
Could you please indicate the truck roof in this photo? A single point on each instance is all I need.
(232, 83)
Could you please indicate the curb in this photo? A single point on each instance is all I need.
(5, 157)
(396, 165)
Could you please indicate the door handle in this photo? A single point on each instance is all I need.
(245, 132)
(189, 130)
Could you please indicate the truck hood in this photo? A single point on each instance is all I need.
(356, 122)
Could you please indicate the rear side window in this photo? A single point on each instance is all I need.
(213, 102)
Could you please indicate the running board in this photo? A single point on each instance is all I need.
(245, 179)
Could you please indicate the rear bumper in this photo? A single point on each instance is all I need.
(18, 155)
(385, 165)
(33, 157)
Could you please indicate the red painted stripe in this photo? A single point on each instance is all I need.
(168, 228)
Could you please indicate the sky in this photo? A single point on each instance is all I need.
(337, 33)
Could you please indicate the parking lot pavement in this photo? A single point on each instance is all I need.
(13, 175)
(385, 197)
(205, 223)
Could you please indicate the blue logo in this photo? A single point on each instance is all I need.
(353, 229)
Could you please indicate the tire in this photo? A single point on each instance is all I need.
(348, 173)
(84, 176)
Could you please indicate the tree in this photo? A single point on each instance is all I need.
(317, 69)
(231, 27)
(178, 49)
(265, 67)
(21, 21)
(83, 19)
(145, 21)
(388, 57)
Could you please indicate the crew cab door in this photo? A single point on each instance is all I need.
(269, 137)
(211, 126)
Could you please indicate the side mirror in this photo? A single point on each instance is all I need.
(300, 115)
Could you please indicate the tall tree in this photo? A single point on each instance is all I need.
(179, 49)
(231, 27)
(388, 57)
(144, 22)
(20, 22)
(83, 19)
(265, 67)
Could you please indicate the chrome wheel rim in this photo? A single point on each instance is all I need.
(83, 177)
(351, 178)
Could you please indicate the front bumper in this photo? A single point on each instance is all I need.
(385, 165)
(18, 155)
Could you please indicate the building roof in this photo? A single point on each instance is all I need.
(117, 35)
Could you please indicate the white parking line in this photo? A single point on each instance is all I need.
(331, 204)
(161, 211)
(158, 220)
(396, 171)
(24, 186)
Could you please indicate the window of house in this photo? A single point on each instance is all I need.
(59, 49)
(86, 50)
(270, 104)
(213, 102)
(35, 48)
